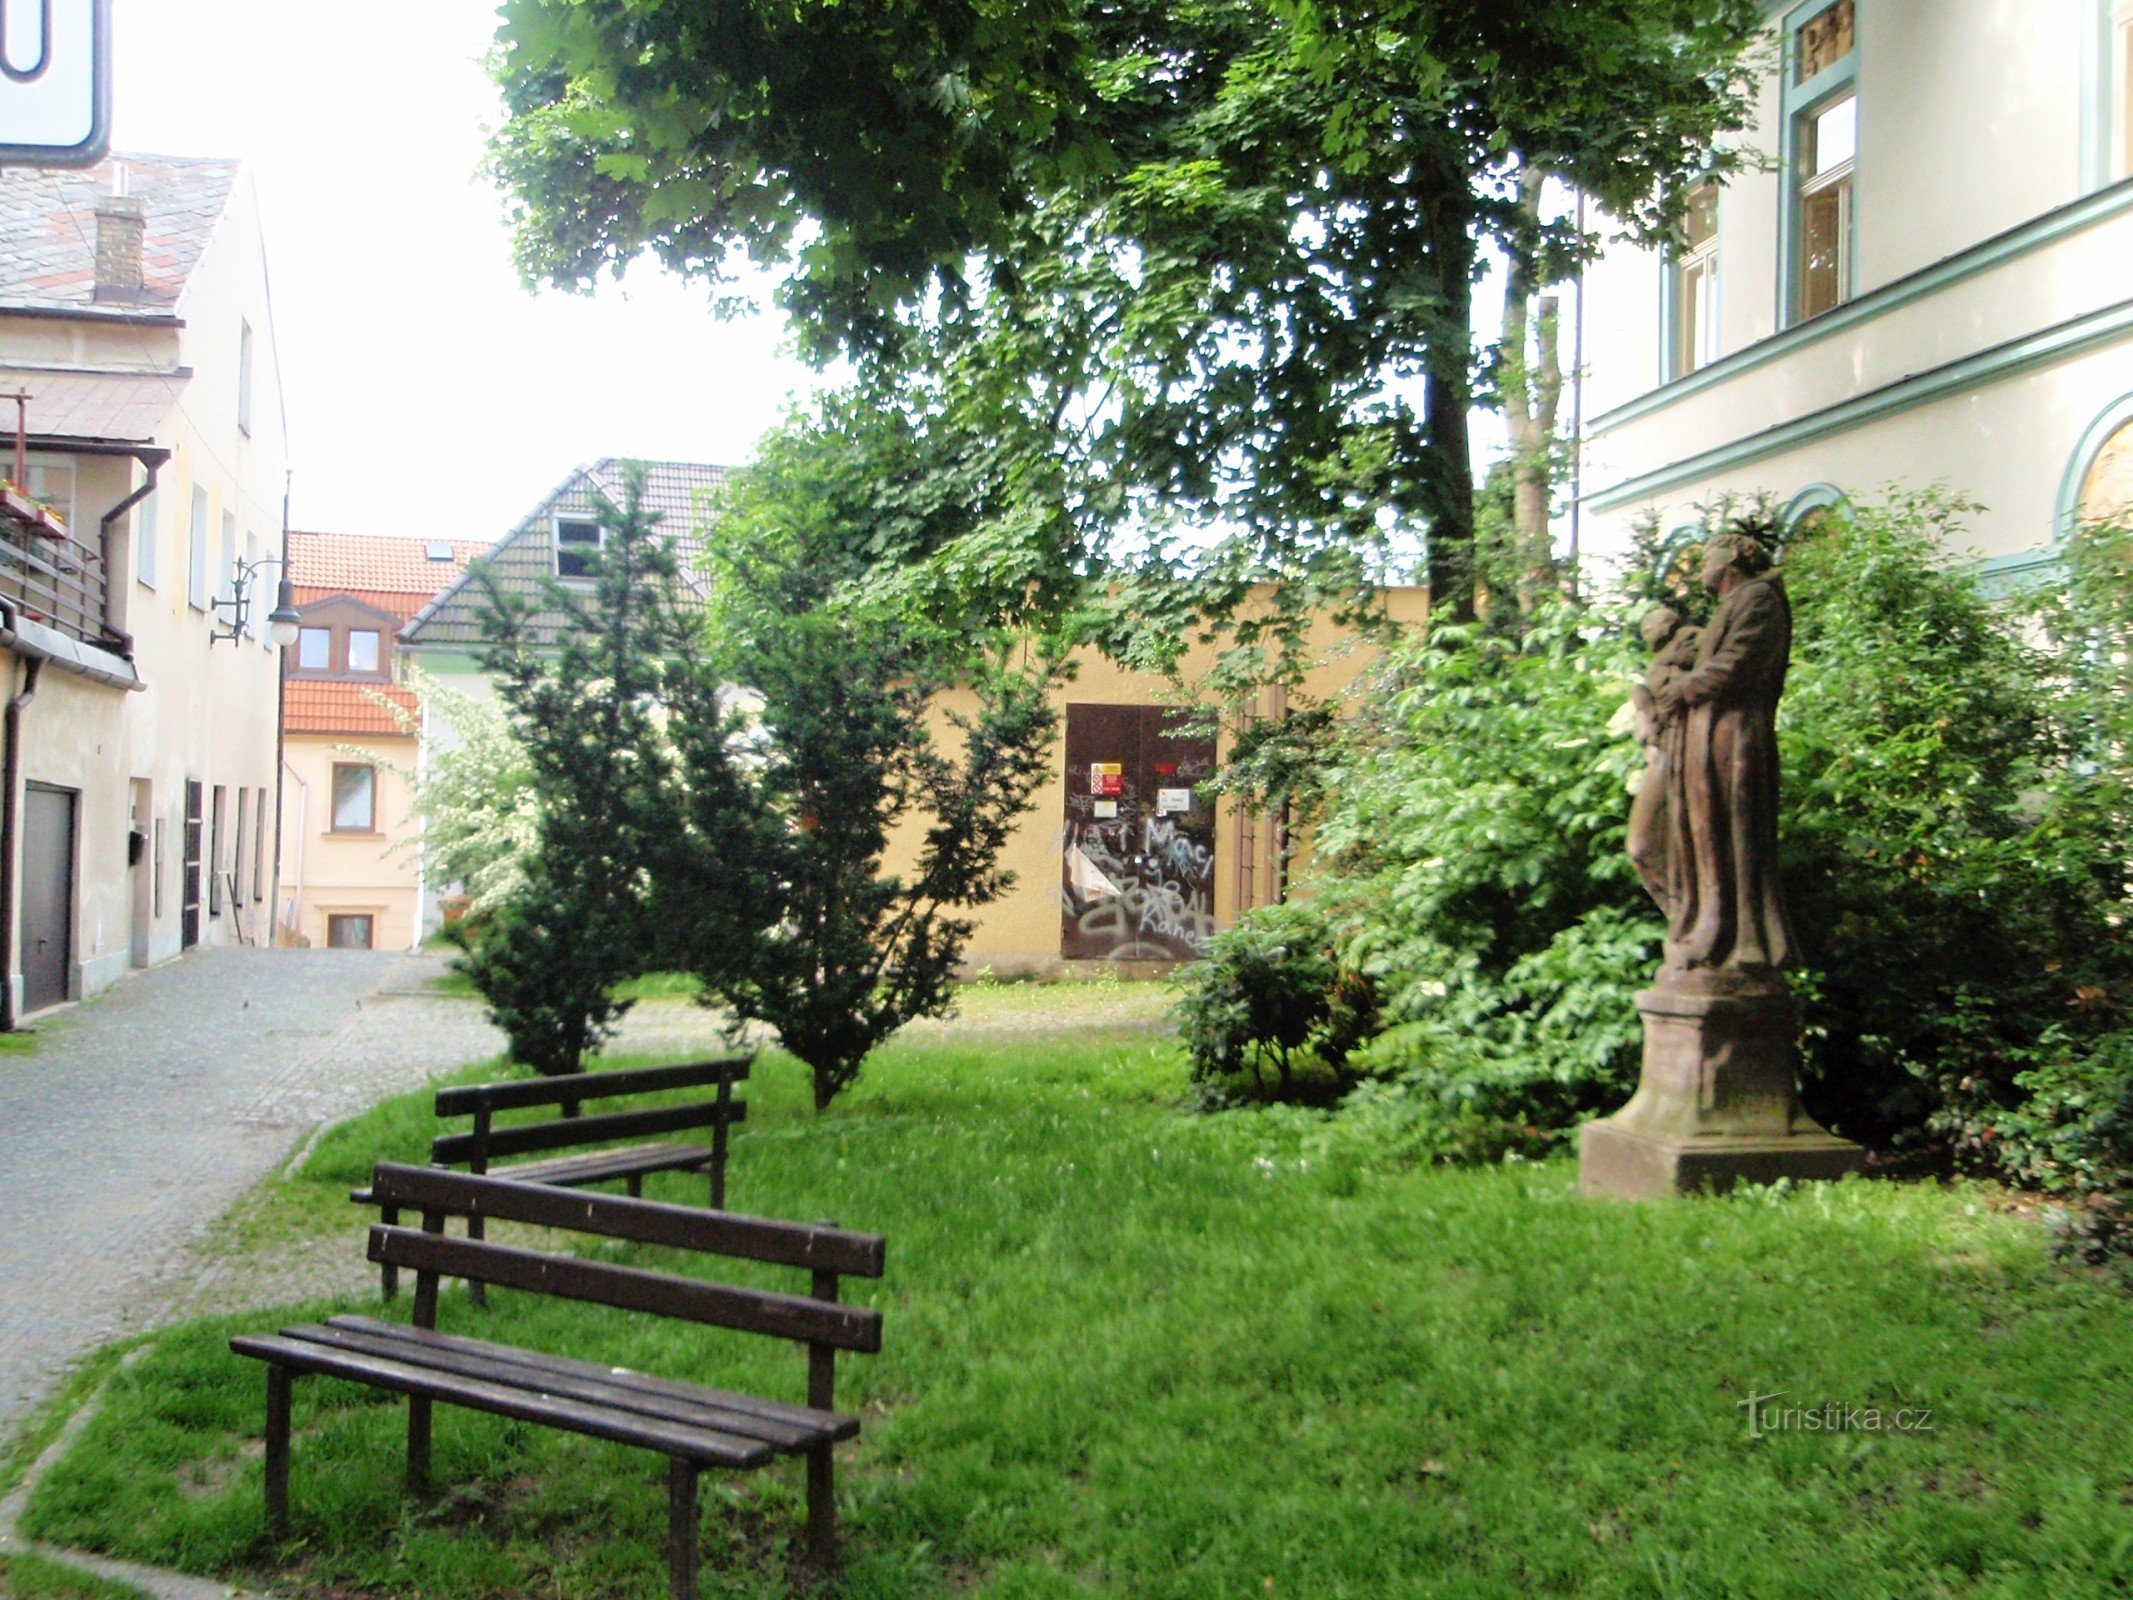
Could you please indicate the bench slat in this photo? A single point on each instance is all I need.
(509, 1199)
(506, 1400)
(451, 1149)
(699, 1410)
(465, 1099)
(601, 1166)
(831, 1424)
(784, 1316)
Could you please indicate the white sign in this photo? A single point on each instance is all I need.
(1169, 800)
(55, 82)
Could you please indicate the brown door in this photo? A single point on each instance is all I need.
(47, 894)
(1137, 877)
(189, 906)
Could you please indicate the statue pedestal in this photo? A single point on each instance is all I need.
(1718, 1103)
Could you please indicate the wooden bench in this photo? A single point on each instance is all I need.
(693, 1426)
(486, 1143)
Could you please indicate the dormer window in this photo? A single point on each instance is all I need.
(362, 650)
(577, 542)
(314, 649)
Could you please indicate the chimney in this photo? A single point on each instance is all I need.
(120, 223)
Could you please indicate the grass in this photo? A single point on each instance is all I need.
(1136, 1353)
(33, 1577)
(651, 986)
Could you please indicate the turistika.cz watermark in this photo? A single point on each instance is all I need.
(1766, 1416)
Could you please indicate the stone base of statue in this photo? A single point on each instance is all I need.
(1718, 1103)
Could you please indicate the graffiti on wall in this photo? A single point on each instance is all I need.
(1137, 875)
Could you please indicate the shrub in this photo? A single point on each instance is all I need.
(1272, 993)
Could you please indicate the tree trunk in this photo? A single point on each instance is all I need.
(1447, 397)
(1531, 391)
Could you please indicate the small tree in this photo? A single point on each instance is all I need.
(797, 802)
(584, 676)
(474, 792)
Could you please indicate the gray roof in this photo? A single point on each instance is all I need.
(48, 229)
(524, 559)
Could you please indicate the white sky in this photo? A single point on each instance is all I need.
(428, 392)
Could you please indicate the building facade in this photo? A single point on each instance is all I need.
(143, 686)
(351, 870)
(1922, 280)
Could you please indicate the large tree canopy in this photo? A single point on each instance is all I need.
(1223, 251)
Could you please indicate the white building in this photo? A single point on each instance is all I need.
(140, 748)
(1930, 282)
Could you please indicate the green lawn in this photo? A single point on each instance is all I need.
(1136, 1353)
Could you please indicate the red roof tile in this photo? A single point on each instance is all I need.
(314, 705)
(370, 565)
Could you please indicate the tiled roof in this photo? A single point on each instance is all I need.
(116, 407)
(48, 228)
(328, 705)
(524, 557)
(392, 572)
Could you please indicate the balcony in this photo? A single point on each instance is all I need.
(46, 576)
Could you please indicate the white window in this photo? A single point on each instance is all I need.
(577, 541)
(1695, 287)
(147, 539)
(362, 650)
(196, 589)
(355, 793)
(51, 485)
(1829, 137)
(314, 649)
(226, 583)
(253, 609)
(349, 930)
(244, 376)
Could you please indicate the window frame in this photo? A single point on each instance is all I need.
(304, 631)
(244, 377)
(555, 543)
(1799, 104)
(333, 799)
(368, 918)
(1676, 355)
(197, 567)
(376, 669)
(147, 537)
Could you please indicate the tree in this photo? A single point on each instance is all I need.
(818, 759)
(473, 790)
(584, 675)
(1225, 252)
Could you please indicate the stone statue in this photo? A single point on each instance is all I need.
(1673, 647)
(1718, 1099)
(1725, 913)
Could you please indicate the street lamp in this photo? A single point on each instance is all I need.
(234, 608)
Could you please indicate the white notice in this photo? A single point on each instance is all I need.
(1169, 800)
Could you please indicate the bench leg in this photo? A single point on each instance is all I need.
(279, 1381)
(389, 1275)
(477, 1292)
(718, 1184)
(822, 1507)
(418, 1444)
(635, 1185)
(681, 1528)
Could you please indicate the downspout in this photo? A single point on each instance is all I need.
(10, 824)
(152, 460)
(281, 717)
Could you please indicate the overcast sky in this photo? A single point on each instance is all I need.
(428, 392)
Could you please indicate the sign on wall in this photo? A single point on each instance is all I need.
(55, 82)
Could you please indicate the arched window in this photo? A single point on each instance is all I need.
(1806, 510)
(2099, 476)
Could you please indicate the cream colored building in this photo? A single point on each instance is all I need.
(351, 870)
(141, 751)
(1928, 283)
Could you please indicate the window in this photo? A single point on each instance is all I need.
(576, 543)
(158, 869)
(349, 930)
(217, 837)
(51, 485)
(355, 796)
(1822, 138)
(314, 649)
(252, 609)
(244, 815)
(362, 650)
(145, 540)
(1693, 312)
(244, 376)
(226, 584)
(196, 591)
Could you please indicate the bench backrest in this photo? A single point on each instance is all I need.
(816, 1319)
(482, 1100)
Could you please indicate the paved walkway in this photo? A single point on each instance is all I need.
(144, 1113)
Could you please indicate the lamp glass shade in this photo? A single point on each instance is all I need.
(281, 628)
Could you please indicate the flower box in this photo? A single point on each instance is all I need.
(38, 519)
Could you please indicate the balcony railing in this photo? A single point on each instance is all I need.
(57, 582)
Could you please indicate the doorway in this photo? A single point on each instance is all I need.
(47, 895)
(1137, 876)
(189, 905)
(143, 863)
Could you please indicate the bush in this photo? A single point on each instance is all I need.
(1953, 857)
(1272, 993)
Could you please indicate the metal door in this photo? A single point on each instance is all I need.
(1137, 879)
(47, 894)
(189, 908)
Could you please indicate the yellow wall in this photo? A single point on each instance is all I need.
(1020, 933)
(324, 872)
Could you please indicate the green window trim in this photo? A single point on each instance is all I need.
(1795, 102)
